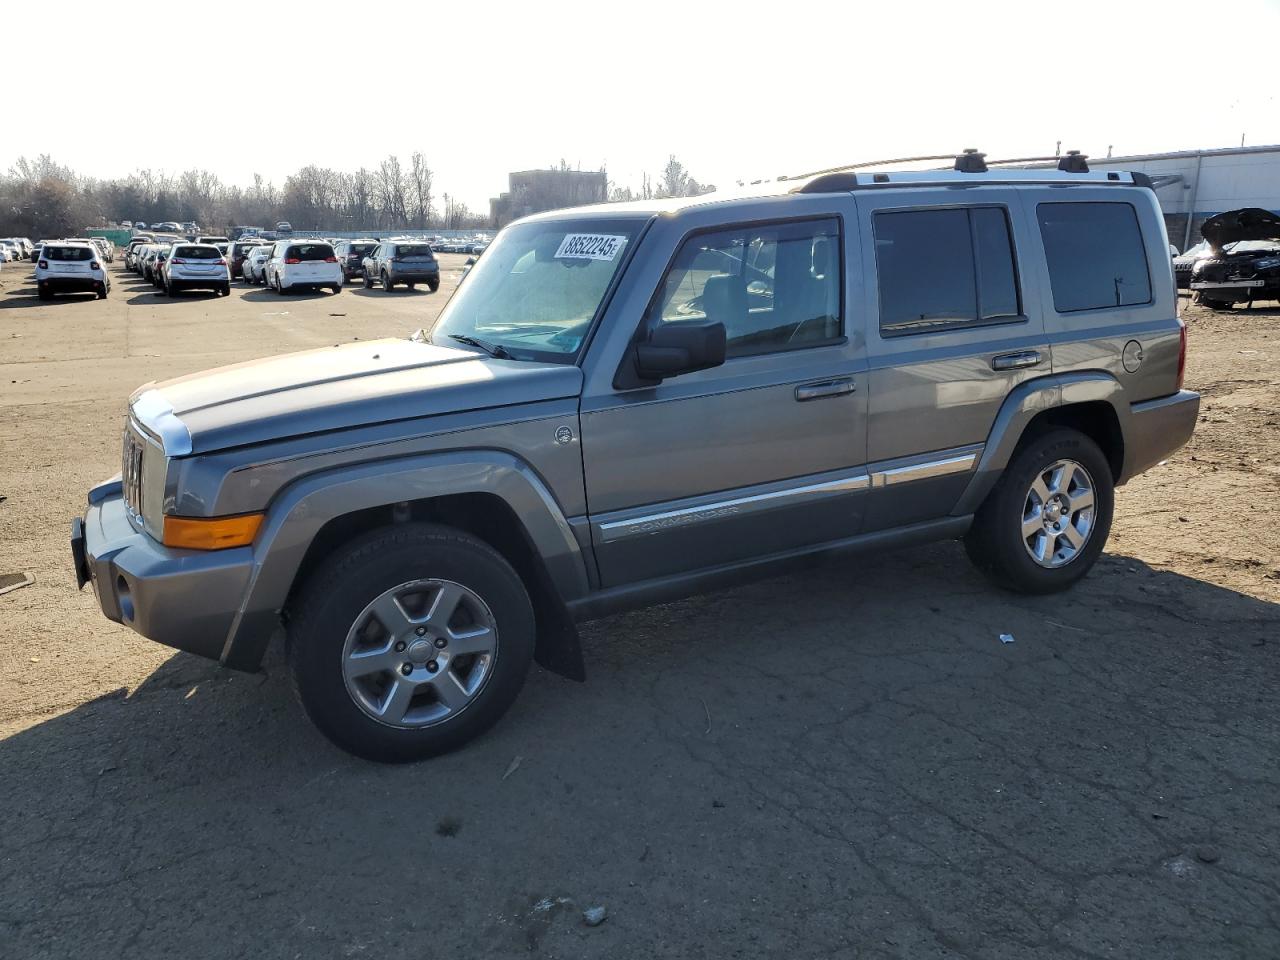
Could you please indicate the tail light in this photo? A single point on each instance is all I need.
(330, 259)
(94, 265)
(292, 260)
(222, 261)
(43, 264)
(177, 260)
(1182, 354)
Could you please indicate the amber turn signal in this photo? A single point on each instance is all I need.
(213, 533)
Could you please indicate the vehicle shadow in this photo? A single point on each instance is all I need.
(27, 297)
(268, 294)
(361, 291)
(768, 732)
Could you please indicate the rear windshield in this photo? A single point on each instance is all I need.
(362, 248)
(68, 253)
(197, 253)
(309, 251)
(242, 248)
(413, 250)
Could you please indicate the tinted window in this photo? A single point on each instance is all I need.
(943, 269)
(406, 250)
(362, 249)
(1095, 255)
(243, 248)
(68, 253)
(773, 286)
(309, 251)
(197, 253)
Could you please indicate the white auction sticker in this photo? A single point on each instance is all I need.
(589, 246)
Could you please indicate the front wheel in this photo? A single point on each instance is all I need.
(1043, 526)
(410, 641)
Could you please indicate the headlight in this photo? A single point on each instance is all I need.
(1270, 263)
(1198, 268)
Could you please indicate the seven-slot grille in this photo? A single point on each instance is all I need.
(131, 474)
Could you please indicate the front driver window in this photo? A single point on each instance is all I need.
(773, 286)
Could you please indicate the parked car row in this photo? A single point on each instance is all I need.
(16, 248)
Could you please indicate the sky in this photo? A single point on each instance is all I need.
(737, 91)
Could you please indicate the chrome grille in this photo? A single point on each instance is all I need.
(131, 474)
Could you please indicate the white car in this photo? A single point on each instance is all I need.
(303, 265)
(66, 267)
(9, 250)
(196, 266)
(105, 247)
(255, 264)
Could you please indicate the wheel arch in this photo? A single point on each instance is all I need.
(491, 494)
(1092, 402)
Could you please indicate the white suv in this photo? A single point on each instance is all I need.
(70, 267)
(196, 266)
(255, 264)
(303, 265)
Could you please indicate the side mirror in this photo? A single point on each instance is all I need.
(680, 347)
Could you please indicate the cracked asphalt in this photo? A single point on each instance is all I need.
(845, 763)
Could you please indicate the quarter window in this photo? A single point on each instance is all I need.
(773, 286)
(1095, 254)
(945, 269)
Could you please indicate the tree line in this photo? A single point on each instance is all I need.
(42, 198)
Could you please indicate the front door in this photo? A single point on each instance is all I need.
(760, 456)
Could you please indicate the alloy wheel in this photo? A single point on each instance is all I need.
(1058, 514)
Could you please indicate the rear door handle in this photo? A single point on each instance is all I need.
(1016, 361)
(829, 388)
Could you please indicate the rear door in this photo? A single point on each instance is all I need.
(70, 261)
(312, 265)
(950, 335)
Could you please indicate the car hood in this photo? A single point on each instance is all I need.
(375, 381)
(1250, 223)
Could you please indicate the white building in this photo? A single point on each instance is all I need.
(1204, 182)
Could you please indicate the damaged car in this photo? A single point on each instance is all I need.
(1244, 263)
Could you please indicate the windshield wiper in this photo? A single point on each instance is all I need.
(495, 350)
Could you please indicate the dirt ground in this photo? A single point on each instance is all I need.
(842, 764)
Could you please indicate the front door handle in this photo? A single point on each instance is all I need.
(828, 388)
(1016, 361)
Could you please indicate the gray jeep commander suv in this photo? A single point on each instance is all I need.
(628, 403)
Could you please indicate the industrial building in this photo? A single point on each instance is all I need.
(533, 191)
(1193, 185)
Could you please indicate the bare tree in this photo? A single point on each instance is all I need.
(420, 180)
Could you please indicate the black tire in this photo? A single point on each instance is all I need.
(386, 283)
(433, 285)
(994, 542)
(102, 291)
(165, 291)
(336, 288)
(348, 580)
(368, 280)
(412, 286)
(1216, 304)
(44, 294)
(279, 286)
(226, 289)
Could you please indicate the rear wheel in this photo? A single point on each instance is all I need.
(433, 285)
(1215, 304)
(386, 283)
(368, 280)
(225, 290)
(44, 294)
(1043, 526)
(410, 641)
(102, 291)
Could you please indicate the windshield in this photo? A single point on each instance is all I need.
(538, 287)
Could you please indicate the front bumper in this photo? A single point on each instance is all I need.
(186, 599)
(1157, 428)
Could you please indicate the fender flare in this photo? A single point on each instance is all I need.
(1024, 403)
(300, 510)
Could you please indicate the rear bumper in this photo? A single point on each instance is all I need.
(186, 599)
(71, 284)
(1157, 428)
(415, 276)
(198, 283)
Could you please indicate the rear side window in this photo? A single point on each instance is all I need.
(73, 254)
(1095, 254)
(406, 250)
(309, 251)
(197, 253)
(945, 269)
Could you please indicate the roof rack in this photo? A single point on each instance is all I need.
(969, 167)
